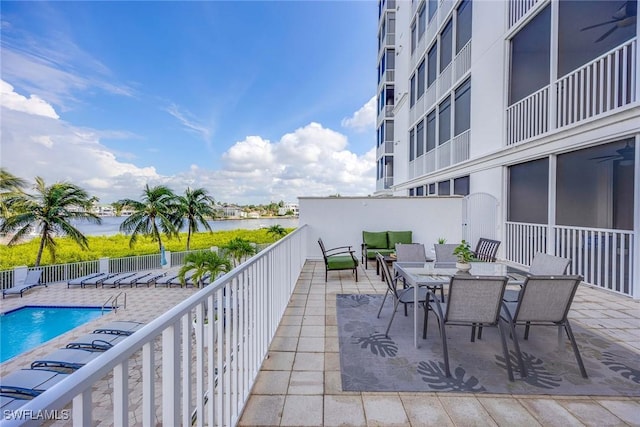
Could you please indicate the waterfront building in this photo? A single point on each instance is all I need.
(529, 105)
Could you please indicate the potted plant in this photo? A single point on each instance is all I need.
(441, 241)
(464, 255)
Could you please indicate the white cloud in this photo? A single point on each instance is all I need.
(32, 105)
(364, 119)
(310, 161)
(188, 121)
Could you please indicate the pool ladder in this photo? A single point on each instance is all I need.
(113, 300)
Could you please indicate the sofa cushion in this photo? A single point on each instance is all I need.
(398, 237)
(375, 240)
(341, 262)
(371, 253)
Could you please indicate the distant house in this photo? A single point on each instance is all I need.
(232, 212)
(289, 207)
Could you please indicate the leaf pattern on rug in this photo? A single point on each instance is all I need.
(353, 300)
(358, 378)
(378, 344)
(537, 374)
(608, 359)
(433, 374)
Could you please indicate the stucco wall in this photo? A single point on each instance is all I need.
(339, 221)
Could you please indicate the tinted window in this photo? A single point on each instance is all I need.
(444, 121)
(431, 131)
(462, 118)
(432, 60)
(420, 139)
(529, 192)
(446, 45)
(463, 25)
(421, 80)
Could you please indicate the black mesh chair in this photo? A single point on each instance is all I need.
(486, 250)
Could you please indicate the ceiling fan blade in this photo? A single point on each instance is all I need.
(613, 158)
(610, 156)
(605, 35)
(599, 25)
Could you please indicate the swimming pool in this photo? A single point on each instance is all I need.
(27, 327)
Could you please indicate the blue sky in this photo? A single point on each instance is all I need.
(255, 101)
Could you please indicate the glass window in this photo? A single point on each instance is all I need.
(420, 139)
(421, 80)
(530, 57)
(412, 145)
(431, 131)
(444, 121)
(594, 186)
(589, 29)
(380, 134)
(461, 186)
(433, 7)
(391, 59)
(462, 117)
(412, 89)
(432, 62)
(388, 135)
(411, 192)
(420, 191)
(446, 45)
(529, 192)
(422, 21)
(413, 37)
(389, 95)
(463, 25)
(432, 188)
(444, 188)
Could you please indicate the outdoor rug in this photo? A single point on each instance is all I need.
(371, 362)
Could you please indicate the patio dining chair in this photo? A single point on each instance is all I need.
(471, 301)
(486, 250)
(545, 301)
(444, 254)
(338, 258)
(403, 296)
(541, 265)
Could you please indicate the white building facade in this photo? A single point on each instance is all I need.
(533, 102)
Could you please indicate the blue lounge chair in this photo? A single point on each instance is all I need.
(131, 280)
(79, 281)
(95, 281)
(119, 327)
(33, 279)
(114, 280)
(96, 341)
(167, 279)
(151, 278)
(65, 359)
(8, 403)
(28, 383)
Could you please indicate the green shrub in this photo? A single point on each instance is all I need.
(117, 246)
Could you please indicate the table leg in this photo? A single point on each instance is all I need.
(415, 316)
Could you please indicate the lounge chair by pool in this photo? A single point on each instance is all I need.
(96, 341)
(114, 280)
(79, 281)
(33, 279)
(119, 327)
(65, 359)
(28, 383)
(151, 278)
(95, 281)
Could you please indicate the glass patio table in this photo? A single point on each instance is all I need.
(436, 275)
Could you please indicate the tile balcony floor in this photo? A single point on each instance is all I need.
(300, 385)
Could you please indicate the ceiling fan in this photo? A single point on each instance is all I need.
(625, 153)
(625, 16)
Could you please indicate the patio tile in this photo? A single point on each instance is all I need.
(425, 410)
(302, 411)
(279, 361)
(332, 361)
(550, 413)
(343, 411)
(284, 344)
(291, 320)
(308, 362)
(627, 410)
(591, 413)
(305, 382)
(384, 410)
(263, 410)
(467, 411)
(507, 411)
(272, 382)
(312, 331)
(288, 331)
(311, 344)
(313, 320)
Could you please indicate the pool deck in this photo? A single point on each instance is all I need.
(299, 383)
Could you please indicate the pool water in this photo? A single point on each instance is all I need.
(28, 327)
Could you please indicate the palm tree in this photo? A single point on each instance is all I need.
(156, 212)
(50, 211)
(194, 208)
(10, 186)
(276, 231)
(203, 263)
(239, 248)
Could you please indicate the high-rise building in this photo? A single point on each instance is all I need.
(531, 106)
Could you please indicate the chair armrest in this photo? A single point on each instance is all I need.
(348, 249)
(341, 252)
(431, 298)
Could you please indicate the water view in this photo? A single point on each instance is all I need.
(111, 225)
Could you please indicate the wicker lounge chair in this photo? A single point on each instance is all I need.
(33, 279)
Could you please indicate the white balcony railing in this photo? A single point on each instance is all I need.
(604, 85)
(462, 62)
(518, 9)
(445, 79)
(181, 378)
(444, 154)
(529, 117)
(460, 147)
(134, 263)
(603, 257)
